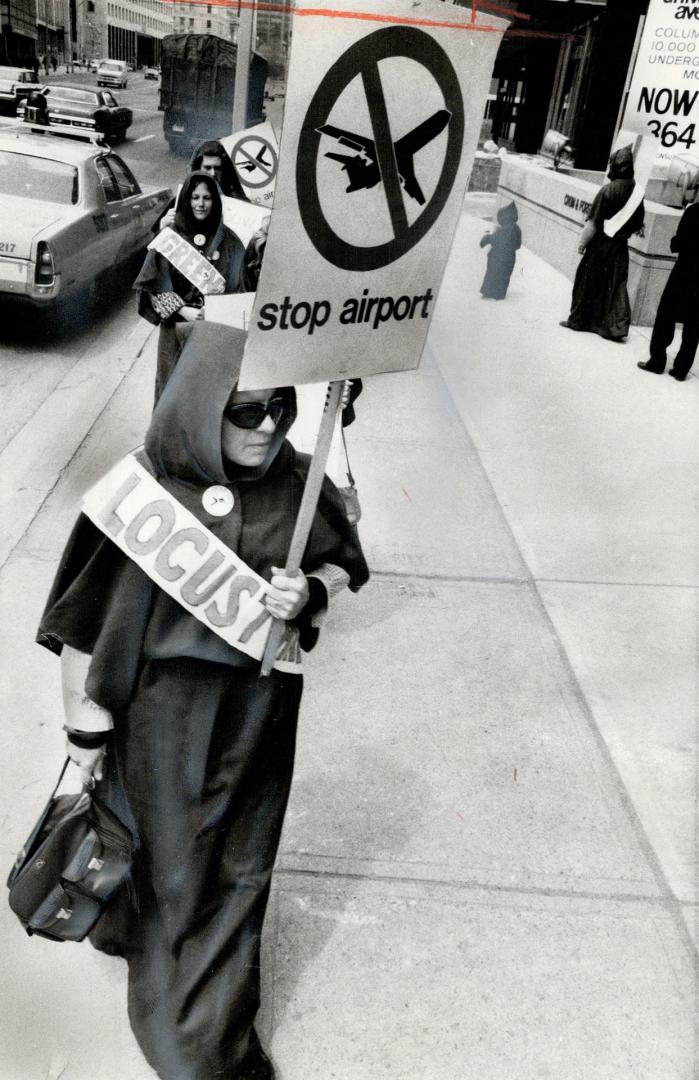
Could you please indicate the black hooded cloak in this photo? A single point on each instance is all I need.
(504, 244)
(202, 749)
(600, 295)
(158, 278)
(230, 181)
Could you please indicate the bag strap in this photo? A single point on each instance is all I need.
(62, 773)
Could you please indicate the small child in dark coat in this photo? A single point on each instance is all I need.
(504, 243)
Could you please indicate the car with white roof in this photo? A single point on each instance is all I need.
(71, 211)
(85, 108)
(15, 84)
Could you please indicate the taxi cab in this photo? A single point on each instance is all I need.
(70, 212)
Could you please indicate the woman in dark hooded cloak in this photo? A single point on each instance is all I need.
(504, 245)
(600, 296)
(167, 297)
(200, 747)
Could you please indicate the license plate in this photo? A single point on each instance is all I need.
(13, 270)
(179, 128)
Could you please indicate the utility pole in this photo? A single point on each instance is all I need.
(242, 64)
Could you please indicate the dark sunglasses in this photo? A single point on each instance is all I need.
(250, 414)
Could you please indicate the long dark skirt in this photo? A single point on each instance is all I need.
(205, 757)
(171, 339)
(600, 297)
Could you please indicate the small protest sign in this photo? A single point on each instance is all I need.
(382, 117)
(255, 156)
(244, 218)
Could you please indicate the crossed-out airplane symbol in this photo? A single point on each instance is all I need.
(362, 167)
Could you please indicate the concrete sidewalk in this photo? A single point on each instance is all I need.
(486, 869)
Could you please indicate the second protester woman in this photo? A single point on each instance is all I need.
(168, 297)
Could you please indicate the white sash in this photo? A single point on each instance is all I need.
(186, 560)
(613, 224)
(190, 262)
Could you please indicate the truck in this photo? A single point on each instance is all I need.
(196, 89)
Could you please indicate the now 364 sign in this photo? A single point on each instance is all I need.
(383, 111)
(663, 97)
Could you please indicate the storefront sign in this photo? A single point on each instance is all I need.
(663, 98)
(185, 559)
(382, 116)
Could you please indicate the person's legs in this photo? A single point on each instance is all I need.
(663, 333)
(688, 349)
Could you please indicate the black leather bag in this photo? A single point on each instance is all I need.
(75, 860)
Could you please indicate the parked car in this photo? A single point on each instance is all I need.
(151, 73)
(93, 66)
(15, 84)
(113, 73)
(86, 109)
(70, 212)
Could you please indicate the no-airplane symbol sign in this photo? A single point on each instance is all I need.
(374, 162)
(382, 159)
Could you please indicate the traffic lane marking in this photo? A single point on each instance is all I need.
(144, 138)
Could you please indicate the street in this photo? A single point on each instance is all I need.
(487, 868)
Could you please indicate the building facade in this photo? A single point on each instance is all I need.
(273, 34)
(563, 65)
(18, 32)
(128, 30)
(219, 19)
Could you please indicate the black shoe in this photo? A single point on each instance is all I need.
(645, 365)
(676, 375)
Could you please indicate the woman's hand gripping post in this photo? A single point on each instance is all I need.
(289, 594)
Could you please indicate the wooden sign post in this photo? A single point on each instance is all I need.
(309, 501)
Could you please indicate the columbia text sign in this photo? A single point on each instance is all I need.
(383, 111)
(663, 97)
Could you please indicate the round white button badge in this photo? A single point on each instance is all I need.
(218, 500)
(200, 239)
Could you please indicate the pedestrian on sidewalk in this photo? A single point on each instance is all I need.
(600, 296)
(679, 302)
(504, 244)
(199, 747)
(167, 298)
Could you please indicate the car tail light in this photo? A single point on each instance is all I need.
(45, 270)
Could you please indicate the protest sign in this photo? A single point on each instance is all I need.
(186, 559)
(255, 156)
(383, 111)
(243, 218)
(663, 99)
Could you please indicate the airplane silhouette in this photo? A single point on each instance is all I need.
(259, 159)
(362, 168)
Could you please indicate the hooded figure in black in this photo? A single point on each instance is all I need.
(227, 176)
(504, 244)
(201, 752)
(679, 302)
(166, 297)
(600, 296)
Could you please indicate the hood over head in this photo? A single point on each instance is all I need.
(184, 438)
(185, 222)
(621, 164)
(507, 215)
(230, 181)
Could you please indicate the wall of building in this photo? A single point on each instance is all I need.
(204, 19)
(17, 31)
